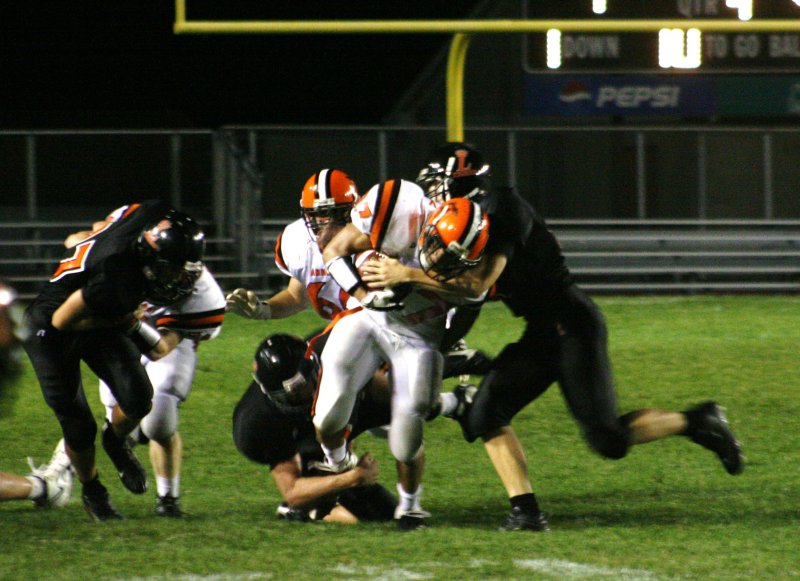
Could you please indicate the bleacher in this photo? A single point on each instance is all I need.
(682, 256)
(29, 252)
(613, 256)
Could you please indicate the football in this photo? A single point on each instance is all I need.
(362, 258)
(401, 291)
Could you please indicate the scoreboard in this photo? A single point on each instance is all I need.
(668, 50)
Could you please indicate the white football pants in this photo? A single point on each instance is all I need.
(356, 348)
(172, 378)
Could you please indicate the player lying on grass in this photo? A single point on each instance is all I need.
(272, 426)
(48, 486)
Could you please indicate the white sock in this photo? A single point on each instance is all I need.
(335, 455)
(175, 485)
(409, 500)
(449, 403)
(38, 487)
(163, 486)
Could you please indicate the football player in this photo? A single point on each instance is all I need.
(196, 318)
(565, 340)
(87, 313)
(325, 204)
(49, 485)
(272, 426)
(392, 325)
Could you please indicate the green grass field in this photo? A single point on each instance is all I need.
(667, 511)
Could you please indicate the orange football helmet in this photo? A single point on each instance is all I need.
(453, 239)
(327, 197)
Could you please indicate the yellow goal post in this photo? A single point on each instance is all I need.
(461, 29)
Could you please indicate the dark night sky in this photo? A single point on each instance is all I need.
(118, 64)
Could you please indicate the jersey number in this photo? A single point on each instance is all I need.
(75, 263)
(363, 209)
(324, 307)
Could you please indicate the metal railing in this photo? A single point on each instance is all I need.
(604, 189)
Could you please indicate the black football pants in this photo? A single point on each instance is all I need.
(110, 354)
(571, 348)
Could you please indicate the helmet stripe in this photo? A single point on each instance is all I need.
(476, 218)
(469, 231)
(323, 185)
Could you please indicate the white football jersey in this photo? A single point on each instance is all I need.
(199, 316)
(298, 255)
(393, 214)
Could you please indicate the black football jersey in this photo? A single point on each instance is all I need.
(103, 265)
(281, 435)
(535, 268)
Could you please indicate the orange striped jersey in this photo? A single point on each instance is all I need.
(199, 317)
(392, 214)
(298, 255)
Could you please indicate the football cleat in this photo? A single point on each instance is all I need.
(518, 520)
(57, 476)
(349, 462)
(130, 470)
(461, 361)
(286, 512)
(410, 520)
(98, 505)
(169, 506)
(709, 427)
(465, 394)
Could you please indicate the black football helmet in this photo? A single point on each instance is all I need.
(284, 373)
(170, 250)
(455, 170)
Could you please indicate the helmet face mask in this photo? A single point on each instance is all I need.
(453, 240)
(456, 170)
(316, 219)
(284, 374)
(170, 251)
(327, 199)
(168, 283)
